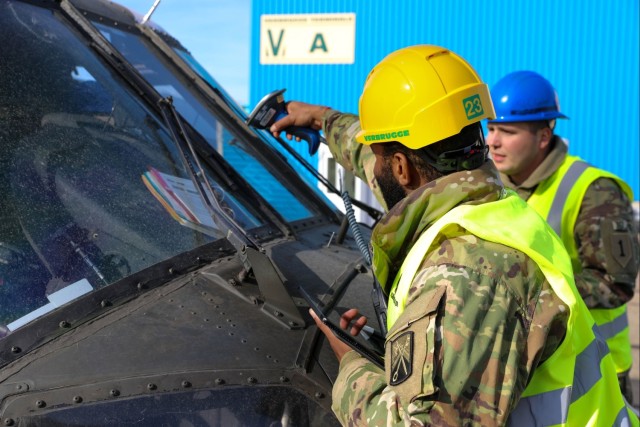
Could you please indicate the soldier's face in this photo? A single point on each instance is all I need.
(391, 190)
(515, 149)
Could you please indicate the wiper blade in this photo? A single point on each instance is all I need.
(278, 303)
(234, 232)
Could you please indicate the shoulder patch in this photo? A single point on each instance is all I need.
(621, 248)
(401, 358)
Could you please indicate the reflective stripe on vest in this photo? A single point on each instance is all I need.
(558, 199)
(614, 327)
(552, 407)
(569, 388)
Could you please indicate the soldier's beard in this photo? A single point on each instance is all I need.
(392, 192)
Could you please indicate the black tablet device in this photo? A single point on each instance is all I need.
(374, 357)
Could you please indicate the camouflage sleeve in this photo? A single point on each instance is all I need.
(606, 238)
(340, 130)
(464, 348)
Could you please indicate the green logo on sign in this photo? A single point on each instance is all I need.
(473, 106)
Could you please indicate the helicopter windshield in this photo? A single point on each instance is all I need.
(242, 156)
(94, 187)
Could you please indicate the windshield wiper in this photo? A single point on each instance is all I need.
(278, 302)
(234, 232)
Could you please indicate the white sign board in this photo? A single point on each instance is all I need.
(317, 38)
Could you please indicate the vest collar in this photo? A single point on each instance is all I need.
(398, 230)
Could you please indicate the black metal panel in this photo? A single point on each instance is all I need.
(205, 328)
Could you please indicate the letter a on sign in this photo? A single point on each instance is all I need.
(318, 43)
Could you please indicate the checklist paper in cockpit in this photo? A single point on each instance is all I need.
(181, 199)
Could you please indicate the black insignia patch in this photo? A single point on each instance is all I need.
(401, 358)
(621, 248)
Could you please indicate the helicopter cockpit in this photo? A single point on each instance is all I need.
(72, 218)
(154, 248)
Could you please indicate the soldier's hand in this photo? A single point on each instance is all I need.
(299, 114)
(338, 347)
(358, 323)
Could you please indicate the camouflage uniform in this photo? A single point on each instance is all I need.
(599, 283)
(602, 283)
(479, 343)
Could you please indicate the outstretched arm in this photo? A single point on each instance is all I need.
(299, 114)
(340, 130)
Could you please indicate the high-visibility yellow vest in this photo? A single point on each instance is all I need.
(577, 384)
(558, 200)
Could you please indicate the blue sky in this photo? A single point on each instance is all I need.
(216, 32)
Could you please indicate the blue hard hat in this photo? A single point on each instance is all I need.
(525, 96)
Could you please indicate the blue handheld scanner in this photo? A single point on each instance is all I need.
(312, 136)
(273, 108)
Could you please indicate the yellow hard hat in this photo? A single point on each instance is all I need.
(420, 95)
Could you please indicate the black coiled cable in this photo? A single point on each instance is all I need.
(377, 296)
(355, 229)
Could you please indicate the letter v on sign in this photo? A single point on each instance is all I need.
(275, 47)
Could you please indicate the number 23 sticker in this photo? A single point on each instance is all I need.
(473, 106)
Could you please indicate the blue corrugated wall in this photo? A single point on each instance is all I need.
(589, 50)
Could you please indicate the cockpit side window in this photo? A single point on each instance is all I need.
(233, 148)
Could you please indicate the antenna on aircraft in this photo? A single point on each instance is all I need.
(148, 15)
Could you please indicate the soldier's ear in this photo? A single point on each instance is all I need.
(400, 167)
(405, 172)
(545, 135)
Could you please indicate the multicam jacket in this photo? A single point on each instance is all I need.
(602, 283)
(498, 320)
